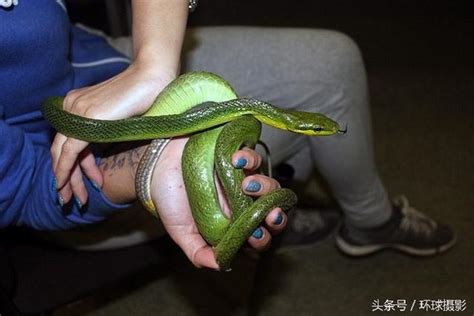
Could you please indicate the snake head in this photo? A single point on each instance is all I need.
(313, 124)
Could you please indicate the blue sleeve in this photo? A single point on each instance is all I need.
(27, 195)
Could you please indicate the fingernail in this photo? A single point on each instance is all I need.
(253, 186)
(241, 162)
(54, 185)
(95, 185)
(278, 220)
(60, 199)
(77, 202)
(258, 233)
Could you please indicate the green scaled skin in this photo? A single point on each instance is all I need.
(202, 104)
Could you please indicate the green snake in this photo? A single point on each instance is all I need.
(205, 106)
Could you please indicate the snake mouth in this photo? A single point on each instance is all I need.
(342, 131)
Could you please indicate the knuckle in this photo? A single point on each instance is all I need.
(69, 149)
(84, 107)
(61, 169)
(70, 98)
(80, 106)
(76, 182)
(90, 111)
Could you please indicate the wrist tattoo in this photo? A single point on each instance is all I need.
(123, 155)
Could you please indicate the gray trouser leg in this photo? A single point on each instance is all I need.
(309, 70)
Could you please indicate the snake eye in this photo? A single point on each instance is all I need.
(318, 128)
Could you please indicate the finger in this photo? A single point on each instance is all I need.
(68, 157)
(56, 147)
(71, 100)
(79, 192)
(246, 158)
(260, 239)
(71, 97)
(65, 194)
(64, 191)
(90, 168)
(194, 247)
(276, 221)
(192, 243)
(256, 185)
(205, 258)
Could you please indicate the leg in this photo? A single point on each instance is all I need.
(320, 71)
(309, 70)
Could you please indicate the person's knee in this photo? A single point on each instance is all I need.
(343, 45)
(339, 54)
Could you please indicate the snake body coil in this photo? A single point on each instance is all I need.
(206, 106)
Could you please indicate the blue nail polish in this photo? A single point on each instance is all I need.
(253, 186)
(278, 220)
(95, 185)
(258, 233)
(60, 199)
(54, 185)
(241, 162)
(77, 202)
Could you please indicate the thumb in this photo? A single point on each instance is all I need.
(195, 248)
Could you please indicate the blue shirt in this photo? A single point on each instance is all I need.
(42, 54)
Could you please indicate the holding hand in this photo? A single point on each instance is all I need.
(169, 195)
(158, 32)
(128, 94)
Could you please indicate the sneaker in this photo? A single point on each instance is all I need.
(408, 231)
(305, 228)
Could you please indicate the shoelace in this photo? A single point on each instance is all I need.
(414, 219)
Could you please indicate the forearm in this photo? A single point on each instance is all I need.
(158, 32)
(119, 167)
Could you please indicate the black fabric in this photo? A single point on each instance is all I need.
(6, 270)
(48, 276)
(7, 306)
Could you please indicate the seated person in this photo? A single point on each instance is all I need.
(312, 70)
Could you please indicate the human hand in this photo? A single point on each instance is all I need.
(127, 94)
(169, 194)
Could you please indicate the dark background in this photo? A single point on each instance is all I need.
(395, 32)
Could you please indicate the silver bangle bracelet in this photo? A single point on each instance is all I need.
(192, 5)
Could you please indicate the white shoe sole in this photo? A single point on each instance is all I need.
(358, 251)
